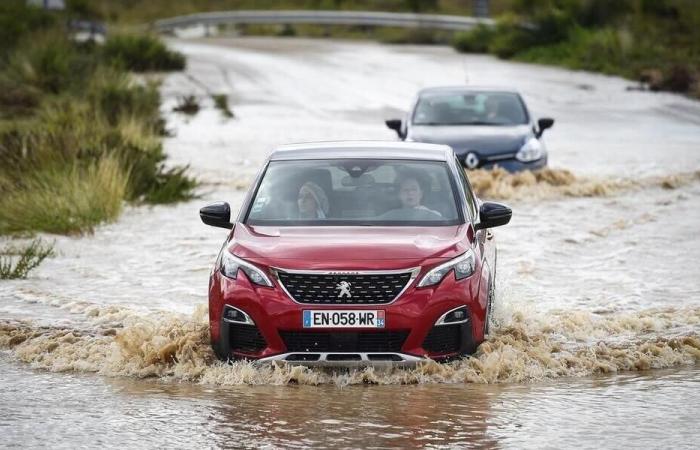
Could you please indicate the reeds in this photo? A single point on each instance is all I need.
(17, 262)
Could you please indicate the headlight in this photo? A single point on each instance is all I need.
(530, 151)
(463, 266)
(231, 264)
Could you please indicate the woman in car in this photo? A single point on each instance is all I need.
(312, 201)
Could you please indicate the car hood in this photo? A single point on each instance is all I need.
(484, 140)
(347, 247)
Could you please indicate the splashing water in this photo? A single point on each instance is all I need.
(547, 184)
(524, 347)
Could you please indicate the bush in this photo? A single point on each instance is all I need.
(474, 41)
(51, 63)
(116, 97)
(18, 262)
(17, 99)
(78, 136)
(17, 20)
(221, 103)
(65, 199)
(510, 37)
(187, 104)
(141, 54)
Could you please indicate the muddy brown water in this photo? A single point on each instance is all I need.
(598, 306)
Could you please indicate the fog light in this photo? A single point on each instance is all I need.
(232, 314)
(457, 315)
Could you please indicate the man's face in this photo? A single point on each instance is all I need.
(410, 193)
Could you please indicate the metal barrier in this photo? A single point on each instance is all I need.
(363, 18)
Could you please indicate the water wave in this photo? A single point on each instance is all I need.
(524, 347)
(498, 184)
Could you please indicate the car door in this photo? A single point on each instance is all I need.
(485, 248)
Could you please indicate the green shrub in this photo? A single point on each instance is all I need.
(69, 135)
(510, 37)
(51, 63)
(187, 104)
(474, 41)
(77, 135)
(141, 53)
(116, 96)
(18, 262)
(17, 20)
(221, 103)
(65, 199)
(423, 36)
(170, 185)
(17, 99)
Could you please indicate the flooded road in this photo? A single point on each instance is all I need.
(598, 336)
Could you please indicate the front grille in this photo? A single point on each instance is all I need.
(246, 338)
(327, 289)
(443, 339)
(380, 341)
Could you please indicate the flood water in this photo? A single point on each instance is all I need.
(597, 340)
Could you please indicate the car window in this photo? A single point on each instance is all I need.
(470, 108)
(356, 191)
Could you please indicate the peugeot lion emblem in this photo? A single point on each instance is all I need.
(344, 287)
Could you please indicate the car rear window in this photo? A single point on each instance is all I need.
(355, 192)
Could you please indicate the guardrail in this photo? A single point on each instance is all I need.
(364, 18)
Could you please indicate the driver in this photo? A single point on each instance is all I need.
(411, 196)
(492, 109)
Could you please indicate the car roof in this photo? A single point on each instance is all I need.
(363, 150)
(466, 88)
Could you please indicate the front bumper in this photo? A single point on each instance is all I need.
(409, 336)
(346, 359)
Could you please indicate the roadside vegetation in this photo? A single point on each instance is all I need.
(656, 42)
(221, 103)
(17, 262)
(653, 41)
(79, 135)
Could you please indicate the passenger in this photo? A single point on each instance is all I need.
(411, 196)
(312, 201)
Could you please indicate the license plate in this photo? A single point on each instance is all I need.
(343, 319)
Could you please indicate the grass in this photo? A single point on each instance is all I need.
(221, 103)
(141, 53)
(79, 136)
(18, 262)
(389, 35)
(65, 200)
(653, 41)
(187, 104)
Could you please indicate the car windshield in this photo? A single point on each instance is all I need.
(470, 108)
(355, 192)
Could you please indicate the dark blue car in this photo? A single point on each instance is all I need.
(485, 127)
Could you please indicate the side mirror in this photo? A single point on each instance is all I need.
(217, 215)
(395, 124)
(543, 124)
(493, 214)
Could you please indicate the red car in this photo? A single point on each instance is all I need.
(355, 253)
